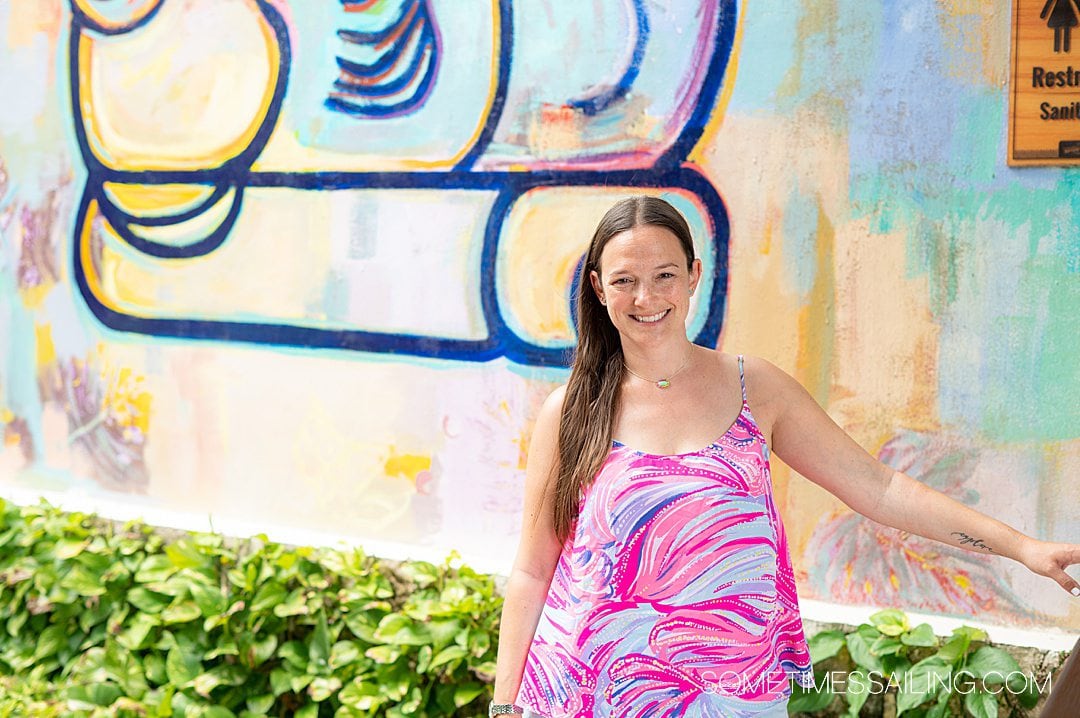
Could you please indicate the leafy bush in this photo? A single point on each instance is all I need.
(99, 619)
(928, 677)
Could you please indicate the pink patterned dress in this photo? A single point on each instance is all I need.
(674, 595)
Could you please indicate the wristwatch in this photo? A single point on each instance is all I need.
(498, 709)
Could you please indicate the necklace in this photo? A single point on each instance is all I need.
(662, 383)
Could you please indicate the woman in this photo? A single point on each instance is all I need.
(653, 576)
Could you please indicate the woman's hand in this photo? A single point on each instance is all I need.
(1050, 560)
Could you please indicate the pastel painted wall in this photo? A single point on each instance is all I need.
(309, 265)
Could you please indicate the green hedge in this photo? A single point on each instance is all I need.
(103, 619)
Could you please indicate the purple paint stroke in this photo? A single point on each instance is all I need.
(115, 448)
(861, 562)
(37, 259)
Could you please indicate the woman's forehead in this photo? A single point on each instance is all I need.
(646, 246)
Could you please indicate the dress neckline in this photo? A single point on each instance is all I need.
(743, 410)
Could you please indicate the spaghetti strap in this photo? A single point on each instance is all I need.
(742, 378)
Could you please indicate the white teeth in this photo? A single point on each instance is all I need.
(652, 317)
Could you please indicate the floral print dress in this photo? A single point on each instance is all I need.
(674, 595)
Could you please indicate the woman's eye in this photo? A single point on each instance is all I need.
(622, 280)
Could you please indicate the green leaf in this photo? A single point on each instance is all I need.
(319, 648)
(346, 652)
(51, 641)
(465, 693)
(954, 649)
(280, 681)
(181, 612)
(260, 704)
(859, 647)
(138, 630)
(992, 665)
(147, 601)
(825, 644)
(941, 708)
(210, 599)
(68, 549)
(182, 666)
(268, 596)
(891, 621)
(258, 651)
(182, 554)
(400, 630)
(295, 604)
(808, 700)
(922, 635)
(82, 582)
(362, 696)
(423, 659)
(218, 712)
(886, 646)
(322, 688)
(311, 710)
(923, 682)
(450, 653)
(981, 704)
(295, 653)
(421, 573)
(856, 690)
(383, 654)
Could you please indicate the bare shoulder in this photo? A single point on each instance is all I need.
(553, 404)
(547, 420)
(769, 390)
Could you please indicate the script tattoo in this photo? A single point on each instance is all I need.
(966, 540)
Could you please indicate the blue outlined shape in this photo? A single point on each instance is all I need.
(592, 105)
(669, 172)
(362, 100)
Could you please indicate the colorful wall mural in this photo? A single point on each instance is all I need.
(310, 265)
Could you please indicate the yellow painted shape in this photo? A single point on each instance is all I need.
(963, 582)
(149, 199)
(7, 416)
(34, 297)
(406, 466)
(89, 9)
(45, 354)
(187, 150)
(708, 133)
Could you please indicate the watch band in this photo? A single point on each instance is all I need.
(498, 709)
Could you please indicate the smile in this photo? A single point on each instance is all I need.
(652, 317)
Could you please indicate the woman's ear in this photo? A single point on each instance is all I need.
(695, 275)
(594, 280)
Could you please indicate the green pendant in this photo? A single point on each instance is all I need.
(663, 384)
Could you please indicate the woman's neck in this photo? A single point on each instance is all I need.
(658, 362)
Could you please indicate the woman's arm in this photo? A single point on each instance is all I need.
(812, 444)
(537, 556)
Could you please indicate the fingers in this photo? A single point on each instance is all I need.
(1065, 581)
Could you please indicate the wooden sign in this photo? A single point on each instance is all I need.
(1044, 122)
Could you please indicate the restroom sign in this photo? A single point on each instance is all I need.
(1044, 117)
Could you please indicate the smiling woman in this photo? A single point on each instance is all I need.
(653, 575)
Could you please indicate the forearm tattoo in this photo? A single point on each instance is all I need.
(966, 540)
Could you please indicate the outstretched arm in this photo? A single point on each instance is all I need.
(538, 552)
(810, 442)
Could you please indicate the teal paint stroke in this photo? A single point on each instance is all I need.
(927, 160)
(800, 225)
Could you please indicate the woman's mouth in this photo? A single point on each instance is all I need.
(650, 318)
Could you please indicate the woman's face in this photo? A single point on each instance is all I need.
(644, 282)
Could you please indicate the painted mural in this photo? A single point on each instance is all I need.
(310, 264)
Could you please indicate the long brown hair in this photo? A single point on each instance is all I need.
(592, 394)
